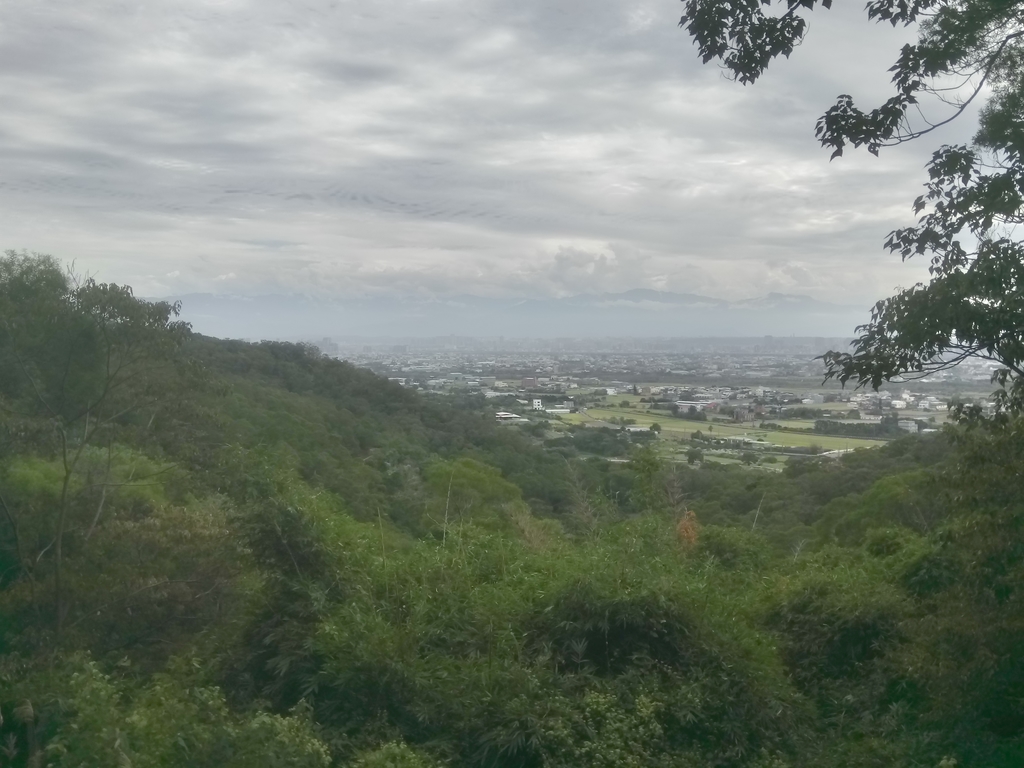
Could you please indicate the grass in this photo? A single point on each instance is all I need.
(574, 418)
(682, 429)
(792, 423)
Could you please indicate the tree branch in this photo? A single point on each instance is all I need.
(14, 528)
(993, 60)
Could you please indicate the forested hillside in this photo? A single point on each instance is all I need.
(215, 553)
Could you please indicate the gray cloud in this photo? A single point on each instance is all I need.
(333, 147)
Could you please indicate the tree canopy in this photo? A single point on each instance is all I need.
(300, 563)
(973, 304)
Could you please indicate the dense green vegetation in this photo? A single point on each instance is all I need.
(229, 554)
(887, 427)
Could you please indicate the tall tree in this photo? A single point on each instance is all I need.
(973, 304)
(77, 359)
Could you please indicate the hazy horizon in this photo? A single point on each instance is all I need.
(632, 314)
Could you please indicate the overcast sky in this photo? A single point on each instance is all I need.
(529, 148)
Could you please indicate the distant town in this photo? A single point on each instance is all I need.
(757, 401)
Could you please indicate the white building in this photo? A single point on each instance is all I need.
(700, 405)
(506, 416)
(538, 405)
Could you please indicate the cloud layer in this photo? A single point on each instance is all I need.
(434, 147)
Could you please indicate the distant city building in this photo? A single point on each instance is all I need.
(538, 405)
(700, 405)
(507, 416)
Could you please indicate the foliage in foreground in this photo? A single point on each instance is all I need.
(971, 305)
(272, 558)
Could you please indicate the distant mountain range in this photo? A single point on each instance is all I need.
(639, 312)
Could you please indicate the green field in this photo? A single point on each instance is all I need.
(791, 423)
(682, 429)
